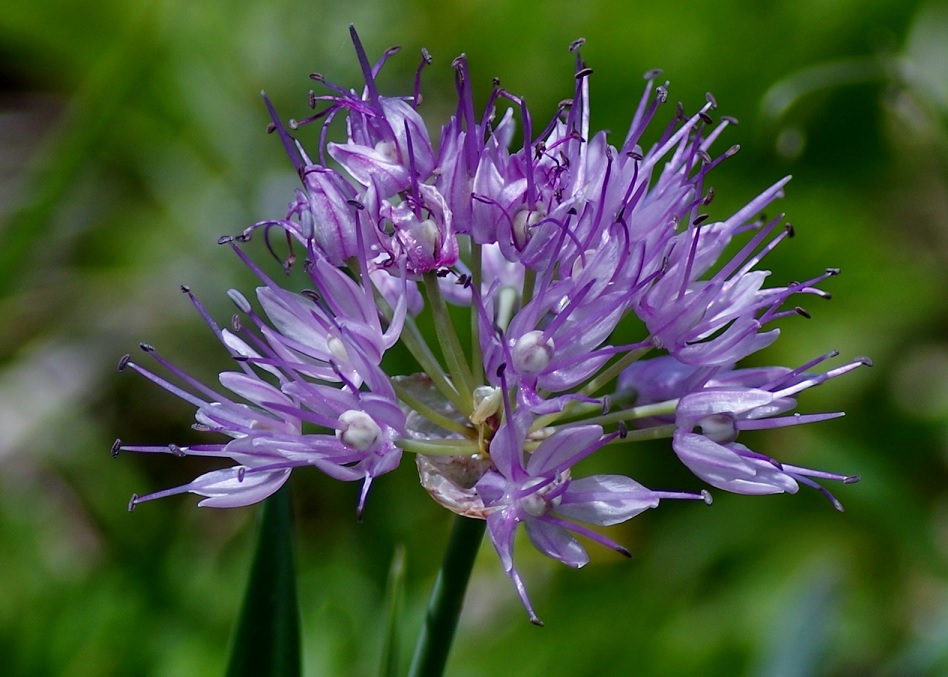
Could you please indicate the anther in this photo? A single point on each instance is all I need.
(730, 120)
(426, 56)
(622, 551)
(583, 73)
(851, 479)
(705, 117)
(832, 271)
(271, 128)
(357, 430)
(733, 150)
(235, 322)
(176, 450)
(801, 312)
(623, 430)
(709, 197)
(225, 239)
(240, 473)
(652, 74)
(680, 110)
(576, 44)
(701, 218)
(116, 447)
(318, 77)
(185, 289)
(790, 230)
(635, 154)
(495, 82)
(705, 157)
(355, 203)
(123, 362)
(311, 295)
(292, 123)
(706, 497)
(311, 99)
(132, 502)
(147, 347)
(709, 97)
(501, 369)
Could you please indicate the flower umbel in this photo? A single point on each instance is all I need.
(549, 246)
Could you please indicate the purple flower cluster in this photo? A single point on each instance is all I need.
(547, 246)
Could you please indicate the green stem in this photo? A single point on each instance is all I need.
(412, 339)
(660, 432)
(450, 343)
(529, 282)
(476, 359)
(632, 413)
(447, 598)
(448, 447)
(406, 396)
(613, 370)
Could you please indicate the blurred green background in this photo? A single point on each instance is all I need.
(132, 136)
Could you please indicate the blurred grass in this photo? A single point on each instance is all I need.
(132, 136)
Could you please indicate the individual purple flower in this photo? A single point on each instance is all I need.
(708, 422)
(536, 489)
(314, 362)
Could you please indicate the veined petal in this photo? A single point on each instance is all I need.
(556, 542)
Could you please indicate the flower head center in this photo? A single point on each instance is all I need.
(542, 495)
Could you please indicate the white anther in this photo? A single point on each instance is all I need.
(535, 505)
(487, 402)
(579, 264)
(522, 221)
(357, 430)
(720, 428)
(337, 348)
(388, 150)
(427, 232)
(531, 355)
